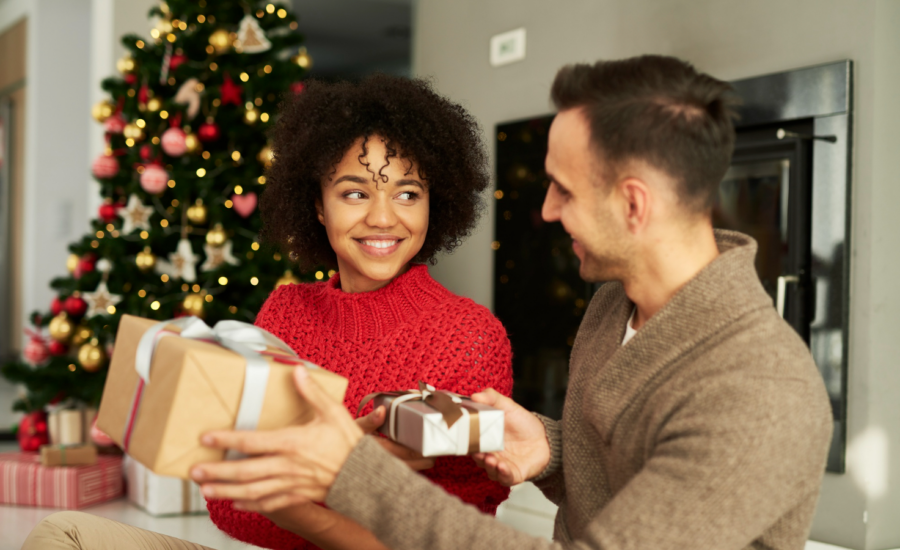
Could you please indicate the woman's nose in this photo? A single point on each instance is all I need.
(381, 213)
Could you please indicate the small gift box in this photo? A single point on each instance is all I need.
(70, 425)
(25, 482)
(161, 495)
(171, 382)
(68, 455)
(439, 423)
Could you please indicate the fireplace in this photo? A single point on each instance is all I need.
(788, 187)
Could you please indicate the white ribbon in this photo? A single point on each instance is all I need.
(242, 338)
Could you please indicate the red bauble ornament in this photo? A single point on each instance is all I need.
(229, 92)
(154, 179)
(208, 132)
(56, 306)
(115, 124)
(298, 87)
(99, 437)
(85, 265)
(173, 142)
(33, 431)
(106, 166)
(130, 79)
(176, 60)
(146, 152)
(58, 348)
(36, 350)
(108, 212)
(75, 306)
(143, 94)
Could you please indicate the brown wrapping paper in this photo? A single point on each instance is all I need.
(194, 387)
(68, 455)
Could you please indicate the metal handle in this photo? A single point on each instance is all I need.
(783, 281)
(782, 133)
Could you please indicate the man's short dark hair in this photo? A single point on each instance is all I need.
(659, 110)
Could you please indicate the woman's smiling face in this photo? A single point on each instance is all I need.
(376, 216)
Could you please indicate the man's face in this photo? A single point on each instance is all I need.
(586, 206)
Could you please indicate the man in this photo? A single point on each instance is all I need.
(694, 418)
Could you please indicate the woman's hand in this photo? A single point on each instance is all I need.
(288, 466)
(526, 451)
(372, 421)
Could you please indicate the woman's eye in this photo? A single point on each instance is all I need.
(408, 196)
(354, 195)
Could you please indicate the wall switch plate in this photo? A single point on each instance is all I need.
(508, 47)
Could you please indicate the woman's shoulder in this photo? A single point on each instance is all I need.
(467, 312)
(288, 301)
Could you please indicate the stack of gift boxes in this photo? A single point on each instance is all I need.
(171, 382)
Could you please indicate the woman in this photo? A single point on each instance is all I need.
(376, 178)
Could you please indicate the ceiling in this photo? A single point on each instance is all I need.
(352, 38)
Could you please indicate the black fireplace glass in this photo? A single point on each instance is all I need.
(538, 294)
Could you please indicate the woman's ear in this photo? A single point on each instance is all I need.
(320, 211)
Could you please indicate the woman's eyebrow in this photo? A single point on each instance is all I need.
(354, 179)
(414, 183)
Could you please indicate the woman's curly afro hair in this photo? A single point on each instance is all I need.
(317, 128)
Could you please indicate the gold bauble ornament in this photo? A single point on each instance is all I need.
(193, 304)
(102, 110)
(82, 334)
(220, 40)
(302, 59)
(197, 212)
(91, 356)
(192, 142)
(216, 236)
(154, 104)
(251, 115)
(145, 259)
(287, 279)
(61, 328)
(265, 156)
(126, 65)
(133, 132)
(72, 262)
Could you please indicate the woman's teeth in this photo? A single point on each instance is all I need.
(380, 244)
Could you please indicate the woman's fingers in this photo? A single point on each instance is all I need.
(371, 421)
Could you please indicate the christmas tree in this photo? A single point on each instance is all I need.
(177, 233)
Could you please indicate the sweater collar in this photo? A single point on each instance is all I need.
(725, 290)
(368, 315)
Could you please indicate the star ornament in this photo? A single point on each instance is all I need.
(229, 92)
(216, 256)
(135, 215)
(182, 263)
(100, 300)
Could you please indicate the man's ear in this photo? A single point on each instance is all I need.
(320, 211)
(638, 202)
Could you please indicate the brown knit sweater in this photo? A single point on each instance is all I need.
(708, 430)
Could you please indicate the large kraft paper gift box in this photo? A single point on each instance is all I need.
(190, 384)
(439, 423)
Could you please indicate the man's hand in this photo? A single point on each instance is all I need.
(526, 451)
(372, 421)
(287, 467)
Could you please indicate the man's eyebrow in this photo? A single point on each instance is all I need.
(554, 179)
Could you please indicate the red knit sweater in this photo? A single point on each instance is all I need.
(413, 329)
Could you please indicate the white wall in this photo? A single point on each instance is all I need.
(730, 39)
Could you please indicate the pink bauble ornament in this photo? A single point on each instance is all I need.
(173, 142)
(106, 166)
(36, 351)
(99, 437)
(154, 179)
(244, 204)
(115, 124)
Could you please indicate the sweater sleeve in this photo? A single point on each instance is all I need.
(551, 481)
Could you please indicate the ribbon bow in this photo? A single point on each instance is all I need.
(249, 341)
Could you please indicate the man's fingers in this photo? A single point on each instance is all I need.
(371, 421)
(495, 399)
(310, 390)
(270, 504)
(247, 442)
(250, 469)
(254, 490)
